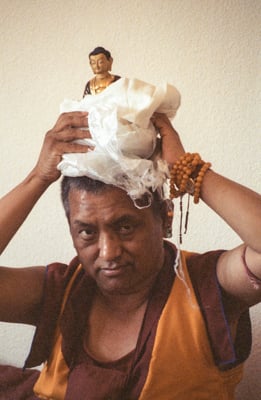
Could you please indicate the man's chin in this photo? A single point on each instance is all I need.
(114, 286)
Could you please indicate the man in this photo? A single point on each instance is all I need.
(118, 322)
(101, 63)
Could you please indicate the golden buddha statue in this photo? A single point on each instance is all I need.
(101, 62)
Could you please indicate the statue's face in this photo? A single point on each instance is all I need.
(100, 64)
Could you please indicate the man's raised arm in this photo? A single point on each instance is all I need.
(17, 204)
(21, 289)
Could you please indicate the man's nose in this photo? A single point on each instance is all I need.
(109, 246)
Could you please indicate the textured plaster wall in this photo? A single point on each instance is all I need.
(209, 49)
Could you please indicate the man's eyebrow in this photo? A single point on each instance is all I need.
(126, 218)
(81, 223)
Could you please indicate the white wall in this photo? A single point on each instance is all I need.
(208, 49)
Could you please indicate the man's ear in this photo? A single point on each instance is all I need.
(167, 217)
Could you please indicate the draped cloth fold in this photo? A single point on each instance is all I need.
(123, 136)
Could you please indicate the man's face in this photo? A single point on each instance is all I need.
(100, 64)
(119, 245)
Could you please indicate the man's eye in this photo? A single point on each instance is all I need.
(126, 229)
(87, 234)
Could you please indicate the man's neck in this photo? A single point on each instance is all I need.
(125, 304)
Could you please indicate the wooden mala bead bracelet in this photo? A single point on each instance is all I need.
(186, 176)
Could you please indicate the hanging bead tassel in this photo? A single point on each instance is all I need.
(180, 220)
(186, 176)
(187, 216)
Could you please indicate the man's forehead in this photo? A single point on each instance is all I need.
(107, 198)
(107, 206)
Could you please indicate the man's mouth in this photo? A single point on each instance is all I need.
(113, 270)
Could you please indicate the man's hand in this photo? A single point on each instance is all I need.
(60, 140)
(171, 146)
(17, 204)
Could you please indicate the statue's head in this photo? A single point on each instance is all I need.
(100, 60)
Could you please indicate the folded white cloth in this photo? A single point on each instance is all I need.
(123, 136)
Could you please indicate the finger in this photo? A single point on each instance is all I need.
(73, 147)
(71, 119)
(70, 134)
